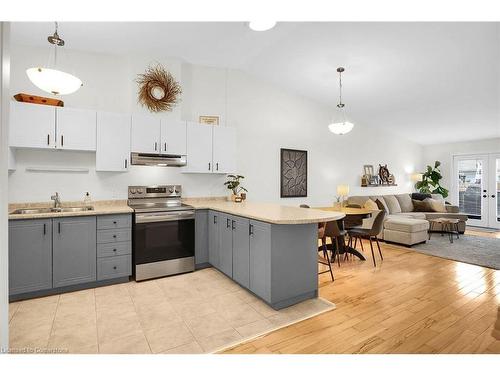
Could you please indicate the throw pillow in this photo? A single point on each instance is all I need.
(380, 205)
(393, 204)
(436, 205)
(371, 205)
(405, 202)
(421, 206)
(419, 196)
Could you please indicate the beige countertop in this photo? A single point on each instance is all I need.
(100, 208)
(268, 212)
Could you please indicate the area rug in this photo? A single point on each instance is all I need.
(481, 251)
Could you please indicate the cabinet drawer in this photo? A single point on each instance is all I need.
(114, 221)
(114, 249)
(114, 235)
(113, 267)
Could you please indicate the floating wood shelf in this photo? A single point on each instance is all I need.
(380, 185)
(57, 169)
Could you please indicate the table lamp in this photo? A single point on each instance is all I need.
(343, 191)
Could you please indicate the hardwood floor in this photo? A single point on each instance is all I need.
(410, 303)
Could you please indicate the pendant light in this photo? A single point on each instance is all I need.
(340, 125)
(54, 81)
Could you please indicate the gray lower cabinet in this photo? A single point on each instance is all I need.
(201, 237)
(213, 238)
(74, 250)
(226, 245)
(260, 259)
(114, 246)
(30, 255)
(241, 251)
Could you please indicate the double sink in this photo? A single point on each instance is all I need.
(44, 210)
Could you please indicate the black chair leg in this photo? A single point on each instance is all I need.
(361, 242)
(379, 251)
(373, 255)
(325, 253)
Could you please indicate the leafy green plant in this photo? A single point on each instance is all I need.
(430, 181)
(234, 183)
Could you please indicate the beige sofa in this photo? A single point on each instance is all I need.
(402, 224)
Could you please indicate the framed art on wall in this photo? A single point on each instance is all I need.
(293, 173)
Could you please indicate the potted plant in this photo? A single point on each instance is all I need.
(430, 181)
(234, 184)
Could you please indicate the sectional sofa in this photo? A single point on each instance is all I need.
(402, 224)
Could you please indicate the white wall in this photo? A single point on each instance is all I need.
(4, 116)
(444, 153)
(267, 118)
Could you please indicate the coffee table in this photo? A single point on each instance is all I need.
(448, 226)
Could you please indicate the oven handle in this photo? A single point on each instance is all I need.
(156, 217)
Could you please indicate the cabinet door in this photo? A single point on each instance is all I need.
(226, 245)
(113, 142)
(30, 255)
(213, 238)
(224, 149)
(76, 129)
(199, 148)
(173, 137)
(74, 250)
(201, 237)
(241, 251)
(32, 125)
(145, 134)
(260, 259)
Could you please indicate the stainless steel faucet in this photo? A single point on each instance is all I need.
(56, 199)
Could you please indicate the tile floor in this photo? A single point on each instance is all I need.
(199, 312)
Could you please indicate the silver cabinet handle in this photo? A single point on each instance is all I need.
(44, 229)
(165, 147)
(227, 222)
(217, 166)
(59, 227)
(250, 229)
(48, 139)
(208, 165)
(233, 227)
(125, 163)
(62, 140)
(156, 146)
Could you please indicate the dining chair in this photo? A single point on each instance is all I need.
(321, 236)
(336, 234)
(369, 234)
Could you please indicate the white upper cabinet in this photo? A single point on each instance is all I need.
(76, 129)
(199, 148)
(32, 125)
(145, 134)
(210, 149)
(224, 149)
(173, 137)
(113, 142)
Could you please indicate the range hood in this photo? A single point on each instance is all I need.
(158, 160)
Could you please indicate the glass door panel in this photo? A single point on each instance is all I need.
(494, 191)
(471, 188)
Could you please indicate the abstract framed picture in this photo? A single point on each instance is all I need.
(293, 173)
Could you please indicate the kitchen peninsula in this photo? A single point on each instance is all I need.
(267, 248)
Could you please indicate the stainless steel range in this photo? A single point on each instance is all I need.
(163, 231)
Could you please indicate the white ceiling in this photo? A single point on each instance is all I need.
(430, 82)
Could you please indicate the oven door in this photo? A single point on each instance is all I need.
(163, 236)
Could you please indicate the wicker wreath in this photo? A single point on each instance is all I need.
(158, 90)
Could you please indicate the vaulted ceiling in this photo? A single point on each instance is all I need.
(430, 82)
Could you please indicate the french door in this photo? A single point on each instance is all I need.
(477, 187)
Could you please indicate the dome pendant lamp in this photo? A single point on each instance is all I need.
(340, 125)
(54, 81)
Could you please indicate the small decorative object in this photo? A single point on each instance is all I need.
(33, 99)
(238, 199)
(209, 120)
(293, 172)
(383, 173)
(343, 191)
(365, 180)
(234, 184)
(368, 170)
(429, 184)
(243, 196)
(158, 89)
(374, 181)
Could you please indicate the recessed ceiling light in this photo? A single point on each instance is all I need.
(261, 25)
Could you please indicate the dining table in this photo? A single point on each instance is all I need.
(353, 216)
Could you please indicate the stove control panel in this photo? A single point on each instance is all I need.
(155, 191)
